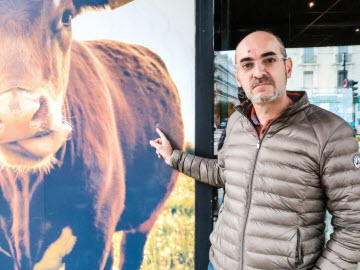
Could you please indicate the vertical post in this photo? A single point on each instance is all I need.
(204, 97)
(225, 24)
(344, 65)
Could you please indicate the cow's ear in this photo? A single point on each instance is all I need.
(118, 3)
(79, 4)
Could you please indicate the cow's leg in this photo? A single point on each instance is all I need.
(87, 254)
(109, 262)
(70, 207)
(144, 200)
(132, 247)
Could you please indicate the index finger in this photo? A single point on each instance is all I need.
(161, 134)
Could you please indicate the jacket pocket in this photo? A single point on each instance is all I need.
(299, 253)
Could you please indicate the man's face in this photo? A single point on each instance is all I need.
(261, 69)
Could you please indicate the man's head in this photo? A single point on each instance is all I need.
(262, 67)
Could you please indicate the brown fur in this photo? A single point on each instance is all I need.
(112, 94)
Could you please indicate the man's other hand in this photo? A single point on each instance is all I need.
(162, 146)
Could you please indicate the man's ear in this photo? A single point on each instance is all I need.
(237, 78)
(289, 66)
(79, 4)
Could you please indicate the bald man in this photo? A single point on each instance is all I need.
(283, 163)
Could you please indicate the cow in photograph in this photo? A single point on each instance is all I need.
(75, 123)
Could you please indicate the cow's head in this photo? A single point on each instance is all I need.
(35, 45)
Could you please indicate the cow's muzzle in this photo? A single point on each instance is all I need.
(28, 126)
(21, 115)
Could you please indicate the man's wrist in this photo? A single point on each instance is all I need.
(174, 157)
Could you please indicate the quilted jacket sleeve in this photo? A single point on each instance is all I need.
(341, 182)
(209, 171)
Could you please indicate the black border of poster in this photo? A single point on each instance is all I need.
(204, 97)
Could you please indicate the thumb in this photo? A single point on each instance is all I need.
(155, 144)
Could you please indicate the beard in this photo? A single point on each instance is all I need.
(275, 94)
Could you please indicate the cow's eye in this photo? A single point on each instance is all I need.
(66, 18)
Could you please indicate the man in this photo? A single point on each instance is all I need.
(283, 163)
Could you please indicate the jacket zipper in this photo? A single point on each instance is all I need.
(248, 203)
(249, 197)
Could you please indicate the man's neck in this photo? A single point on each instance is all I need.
(270, 110)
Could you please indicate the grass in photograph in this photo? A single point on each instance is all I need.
(171, 242)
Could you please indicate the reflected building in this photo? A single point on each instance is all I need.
(320, 72)
(225, 87)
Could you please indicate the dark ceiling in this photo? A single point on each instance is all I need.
(327, 23)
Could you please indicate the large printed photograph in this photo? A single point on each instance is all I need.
(83, 86)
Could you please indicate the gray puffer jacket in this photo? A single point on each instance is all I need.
(278, 188)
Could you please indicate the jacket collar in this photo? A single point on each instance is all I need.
(301, 104)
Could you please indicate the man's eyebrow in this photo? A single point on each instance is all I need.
(267, 54)
(245, 59)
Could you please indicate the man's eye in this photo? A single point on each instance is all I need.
(270, 60)
(247, 65)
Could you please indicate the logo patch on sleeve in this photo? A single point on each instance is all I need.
(357, 161)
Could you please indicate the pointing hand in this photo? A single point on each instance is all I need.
(162, 146)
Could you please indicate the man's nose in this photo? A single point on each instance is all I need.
(259, 70)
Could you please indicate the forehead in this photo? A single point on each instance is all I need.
(28, 8)
(20, 16)
(17, 16)
(257, 44)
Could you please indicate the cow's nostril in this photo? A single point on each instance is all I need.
(42, 113)
(1, 124)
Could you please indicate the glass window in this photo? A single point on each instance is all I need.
(343, 51)
(226, 93)
(309, 56)
(308, 79)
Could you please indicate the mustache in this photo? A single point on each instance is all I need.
(262, 80)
